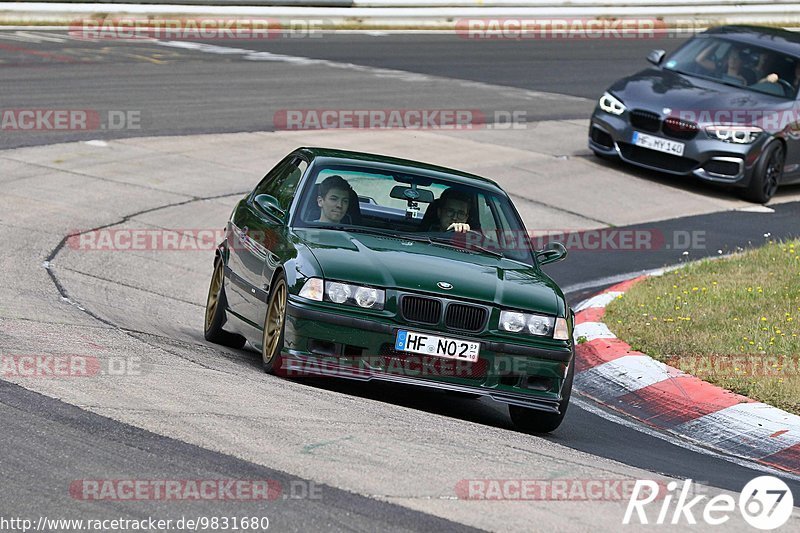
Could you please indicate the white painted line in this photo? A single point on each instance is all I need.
(592, 330)
(601, 300)
(255, 55)
(621, 376)
(782, 11)
(756, 209)
(745, 426)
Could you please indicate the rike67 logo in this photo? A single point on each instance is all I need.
(765, 503)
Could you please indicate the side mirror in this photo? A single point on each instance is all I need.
(655, 56)
(551, 253)
(270, 206)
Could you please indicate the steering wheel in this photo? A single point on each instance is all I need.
(788, 88)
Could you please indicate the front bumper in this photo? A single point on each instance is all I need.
(321, 343)
(705, 158)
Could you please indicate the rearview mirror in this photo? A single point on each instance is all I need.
(551, 253)
(270, 206)
(414, 194)
(655, 56)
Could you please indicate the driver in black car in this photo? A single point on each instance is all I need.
(453, 212)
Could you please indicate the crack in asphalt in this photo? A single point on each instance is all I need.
(556, 208)
(62, 291)
(120, 283)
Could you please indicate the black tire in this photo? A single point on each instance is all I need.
(215, 318)
(274, 326)
(533, 421)
(767, 174)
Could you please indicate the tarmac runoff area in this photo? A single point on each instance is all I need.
(144, 309)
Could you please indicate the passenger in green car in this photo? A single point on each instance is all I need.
(333, 199)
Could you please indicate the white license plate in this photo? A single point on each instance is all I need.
(657, 143)
(410, 341)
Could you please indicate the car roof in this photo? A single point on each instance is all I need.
(394, 164)
(787, 42)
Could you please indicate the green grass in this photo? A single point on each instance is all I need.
(734, 322)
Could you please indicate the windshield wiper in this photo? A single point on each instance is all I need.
(376, 231)
(468, 247)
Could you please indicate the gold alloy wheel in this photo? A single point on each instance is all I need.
(213, 294)
(273, 327)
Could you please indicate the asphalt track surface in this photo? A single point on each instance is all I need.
(180, 91)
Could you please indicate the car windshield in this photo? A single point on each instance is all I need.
(448, 213)
(738, 64)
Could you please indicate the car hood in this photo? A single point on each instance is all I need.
(655, 89)
(392, 262)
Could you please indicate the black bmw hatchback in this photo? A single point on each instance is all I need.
(723, 108)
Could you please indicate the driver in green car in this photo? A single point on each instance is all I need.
(333, 199)
(453, 212)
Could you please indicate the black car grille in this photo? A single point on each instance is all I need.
(420, 309)
(602, 138)
(430, 366)
(645, 120)
(465, 317)
(725, 168)
(679, 129)
(659, 160)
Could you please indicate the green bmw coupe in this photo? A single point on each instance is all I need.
(367, 267)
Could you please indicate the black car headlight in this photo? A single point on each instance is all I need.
(734, 134)
(531, 324)
(610, 104)
(343, 293)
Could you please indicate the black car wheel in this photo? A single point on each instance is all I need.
(533, 421)
(274, 324)
(767, 174)
(216, 303)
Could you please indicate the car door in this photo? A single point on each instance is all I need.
(256, 233)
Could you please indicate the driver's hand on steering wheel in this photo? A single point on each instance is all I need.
(458, 227)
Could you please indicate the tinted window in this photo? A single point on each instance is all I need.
(282, 182)
(342, 196)
(739, 64)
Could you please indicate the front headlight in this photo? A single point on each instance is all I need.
(343, 293)
(312, 289)
(610, 104)
(530, 324)
(734, 134)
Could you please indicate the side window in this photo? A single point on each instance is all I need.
(282, 182)
(488, 223)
